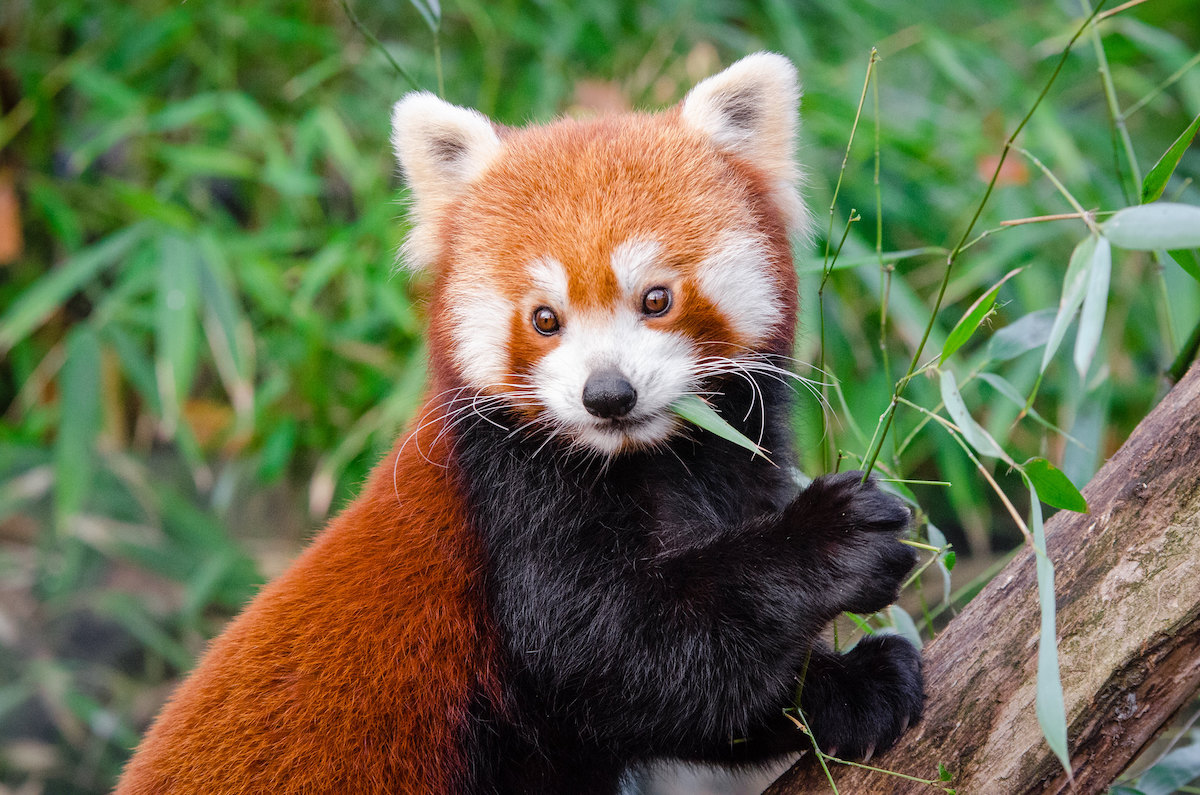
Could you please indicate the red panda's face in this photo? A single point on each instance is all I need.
(592, 273)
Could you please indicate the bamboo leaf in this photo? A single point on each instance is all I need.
(430, 11)
(1012, 395)
(176, 326)
(1175, 770)
(975, 435)
(1054, 487)
(1050, 708)
(1023, 335)
(136, 364)
(37, 303)
(1095, 305)
(74, 449)
(220, 303)
(945, 561)
(1074, 286)
(696, 411)
(971, 319)
(1153, 226)
(1156, 180)
(816, 265)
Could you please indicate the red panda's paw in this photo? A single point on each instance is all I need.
(854, 528)
(860, 703)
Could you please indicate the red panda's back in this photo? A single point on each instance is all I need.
(351, 672)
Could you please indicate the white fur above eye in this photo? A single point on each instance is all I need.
(549, 278)
(441, 148)
(634, 263)
(752, 110)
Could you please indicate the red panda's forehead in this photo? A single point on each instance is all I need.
(576, 191)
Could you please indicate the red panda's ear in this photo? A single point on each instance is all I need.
(752, 110)
(441, 148)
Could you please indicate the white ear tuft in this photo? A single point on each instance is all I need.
(441, 148)
(751, 110)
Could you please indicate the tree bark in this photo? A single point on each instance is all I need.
(1127, 576)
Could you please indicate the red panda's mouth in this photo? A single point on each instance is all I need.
(632, 432)
(624, 423)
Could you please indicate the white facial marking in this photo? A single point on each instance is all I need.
(634, 264)
(480, 327)
(550, 278)
(659, 364)
(735, 277)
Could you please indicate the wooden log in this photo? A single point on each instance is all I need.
(1128, 585)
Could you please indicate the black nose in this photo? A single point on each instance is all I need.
(607, 394)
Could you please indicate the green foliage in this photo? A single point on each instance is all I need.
(1153, 227)
(1051, 713)
(974, 316)
(205, 346)
(697, 411)
(1173, 771)
(1053, 487)
(1156, 180)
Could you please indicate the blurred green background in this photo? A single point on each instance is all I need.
(205, 344)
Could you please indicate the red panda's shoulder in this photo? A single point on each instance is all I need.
(346, 668)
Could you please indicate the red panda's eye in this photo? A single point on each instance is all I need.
(656, 301)
(545, 321)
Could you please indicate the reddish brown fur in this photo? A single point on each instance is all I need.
(350, 672)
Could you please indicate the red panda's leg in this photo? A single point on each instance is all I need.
(836, 547)
(847, 535)
(859, 703)
(856, 704)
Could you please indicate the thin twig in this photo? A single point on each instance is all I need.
(378, 44)
(1037, 219)
(1114, 108)
(1082, 213)
(885, 269)
(1119, 9)
(854, 218)
(1163, 86)
(827, 267)
(846, 157)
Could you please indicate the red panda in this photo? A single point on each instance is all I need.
(552, 579)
